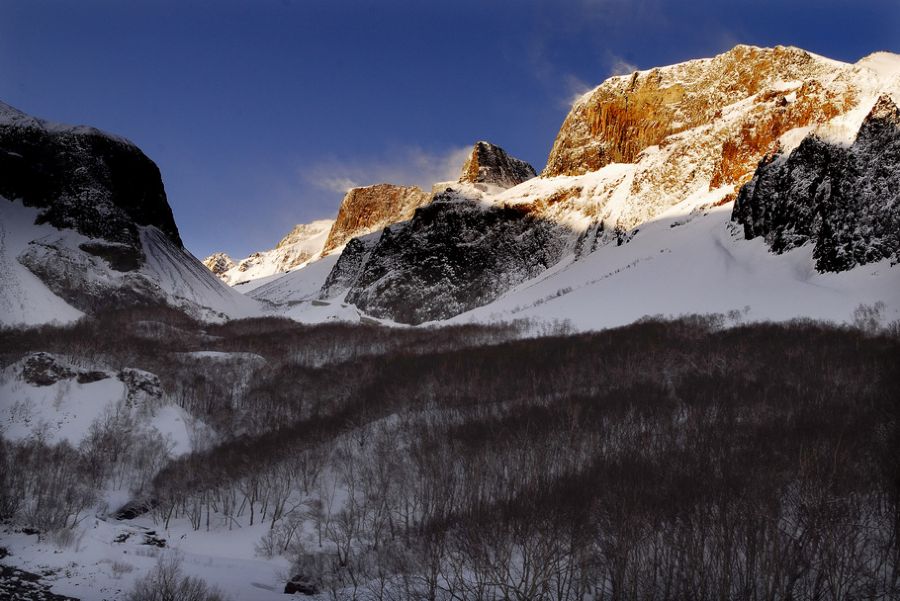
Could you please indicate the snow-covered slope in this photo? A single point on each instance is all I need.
(24, 299)
(46, 274)
(43, 396)
(300, 246)
(689, 262)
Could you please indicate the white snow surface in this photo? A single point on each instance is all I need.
(66, 409)
(297, 286)
(85, 570)
(182, 279)
(24, 299)
(187, 282)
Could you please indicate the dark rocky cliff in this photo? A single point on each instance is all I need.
(843, 199)
(83, 179)
(452, 256)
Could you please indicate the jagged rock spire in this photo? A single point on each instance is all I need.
(490, 164)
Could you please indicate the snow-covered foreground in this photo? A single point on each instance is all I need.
(65, 409)
(95, 567)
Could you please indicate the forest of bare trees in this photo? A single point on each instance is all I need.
(663, 460)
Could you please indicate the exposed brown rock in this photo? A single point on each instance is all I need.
(371, 208)
(758, 134)
(699, 125)
(627, 114)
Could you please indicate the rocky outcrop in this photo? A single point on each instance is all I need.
(845, 200)
(81, 178)
(45, 369)
(489, 164)
(629, 113)
(453, 255)
(689, 135)
(219, 263)
(142, 387)
(372, 208)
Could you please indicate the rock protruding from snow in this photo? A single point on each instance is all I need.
(845, 200)
(372, 208)
(143, 388)
(489, 164)
(301, 245)
(46, 369)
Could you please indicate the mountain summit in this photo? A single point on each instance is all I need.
(489, 164)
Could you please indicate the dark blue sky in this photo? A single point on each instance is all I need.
(259, 112)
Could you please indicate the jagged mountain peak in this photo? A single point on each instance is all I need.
(884, 109)
(490, 164)
(638, 148)
(627, 114)
(86, 226)
(82, 178)
(885, 64)
(219, 263)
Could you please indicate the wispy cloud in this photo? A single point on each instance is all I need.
(406, 166)
(575, 88)
(620, 66)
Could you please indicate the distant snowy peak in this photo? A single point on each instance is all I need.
(885, 64)
(301, 245)
(306, 234)
(490, 164)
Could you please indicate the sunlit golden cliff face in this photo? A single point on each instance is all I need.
(628, 114)
(698, 125)
(369, 209)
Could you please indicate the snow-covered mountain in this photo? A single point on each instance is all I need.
(85, 225)
(781, 164)
(304, 243)
(639, 161)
